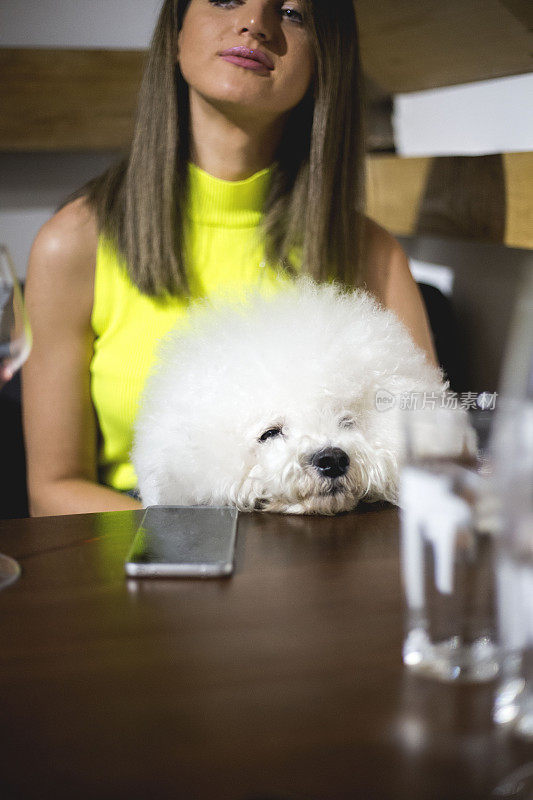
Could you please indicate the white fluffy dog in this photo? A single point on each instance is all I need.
(271, 406)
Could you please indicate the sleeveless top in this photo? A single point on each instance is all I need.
(225, 256)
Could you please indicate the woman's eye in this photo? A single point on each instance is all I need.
(287, 12)
(293, 14)
(224, 2)
(269, 434)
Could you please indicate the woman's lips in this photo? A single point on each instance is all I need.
(255, 60)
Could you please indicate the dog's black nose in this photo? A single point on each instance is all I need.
(331, 462)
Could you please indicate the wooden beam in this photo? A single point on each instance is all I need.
(519, 181)
(394, 190)
(422, 44)
(68, 99)
(522, 10)
(464, 197)
(397, 189)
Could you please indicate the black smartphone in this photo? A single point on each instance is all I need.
(184, 541)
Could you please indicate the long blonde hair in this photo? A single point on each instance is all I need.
(315, 199)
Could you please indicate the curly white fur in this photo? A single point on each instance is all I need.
(305, 363)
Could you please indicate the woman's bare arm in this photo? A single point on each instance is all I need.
(388, 276)
(59, 421)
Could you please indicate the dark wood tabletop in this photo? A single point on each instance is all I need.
(283, 682)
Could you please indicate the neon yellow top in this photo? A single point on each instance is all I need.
(225, 256)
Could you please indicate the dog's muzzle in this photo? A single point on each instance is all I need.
(330, 462)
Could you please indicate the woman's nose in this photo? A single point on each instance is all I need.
(256, 19)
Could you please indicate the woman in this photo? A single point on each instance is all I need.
(246, 165)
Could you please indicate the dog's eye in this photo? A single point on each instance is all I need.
(269, 434)
(346, 422)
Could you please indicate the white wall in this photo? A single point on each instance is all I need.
(77, 23)
(33, 184)
(493, 116)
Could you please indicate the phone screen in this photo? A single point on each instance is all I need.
(187, 541)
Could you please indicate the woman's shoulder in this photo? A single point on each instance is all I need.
(382, 257)
(63, 256)
(70, 237)
(376, 236)
(380, 247)
(386, 273)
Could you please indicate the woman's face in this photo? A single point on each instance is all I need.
(271, 72)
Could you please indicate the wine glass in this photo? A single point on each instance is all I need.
(15, 345)
(516, 786)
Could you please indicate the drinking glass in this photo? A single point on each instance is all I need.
(446, 545)
(513, 457)
(516, 786)
(15, 345)
(514, 696)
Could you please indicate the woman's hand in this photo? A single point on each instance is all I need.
(5, 375)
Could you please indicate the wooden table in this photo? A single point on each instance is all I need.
(282, 682)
